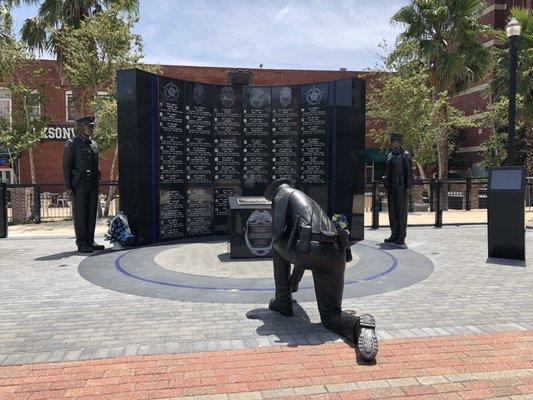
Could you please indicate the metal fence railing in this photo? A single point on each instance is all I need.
(438, 202)
(28, 203)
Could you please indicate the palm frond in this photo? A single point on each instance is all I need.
(35, 33)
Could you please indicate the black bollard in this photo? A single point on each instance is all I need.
(3, 210)
(438, 207)
(375, 205)
(36, 204)
(468, 194)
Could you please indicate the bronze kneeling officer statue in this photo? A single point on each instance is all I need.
(305, 237)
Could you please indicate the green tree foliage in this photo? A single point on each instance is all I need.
(496, 118)
(45, 31)
(97, 48)
(24, 130)
(442, 35)
(402, 102)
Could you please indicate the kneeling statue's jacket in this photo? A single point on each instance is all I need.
(298, 220)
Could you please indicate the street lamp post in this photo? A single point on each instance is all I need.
(513, 30)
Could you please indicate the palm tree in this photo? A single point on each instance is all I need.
(500, 82)
(41, 33)
(443, 36)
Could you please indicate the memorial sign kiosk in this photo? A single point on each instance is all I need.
(250, 227)
(506, 219)
(186, 147)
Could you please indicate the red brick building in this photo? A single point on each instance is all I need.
(58, 107)
(470, 149)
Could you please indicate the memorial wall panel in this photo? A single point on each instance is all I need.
(286, 133)
(203, 143)
(257, 145)
(314, 134)
(172, 168)
(199, 133)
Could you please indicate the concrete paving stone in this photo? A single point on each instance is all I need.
(118, 351)
(341, 387)
(245, 396)
(12, 359)
(72, 355)
(274, 393)
(208, 397)
(432, 380)
(58, 355)
(310, 390)
(402, 382)
(377, 384)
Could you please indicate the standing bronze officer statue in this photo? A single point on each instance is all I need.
(80, 169)
(398, 181)
(305, 237)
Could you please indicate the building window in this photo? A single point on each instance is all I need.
(33, 104)
(369, 173)
(5, 105)
(70, 111)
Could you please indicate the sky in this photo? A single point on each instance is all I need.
(292, 34)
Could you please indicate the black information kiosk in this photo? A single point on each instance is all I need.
(506, 219)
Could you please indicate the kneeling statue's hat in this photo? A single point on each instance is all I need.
(272, 188)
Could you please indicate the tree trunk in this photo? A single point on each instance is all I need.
(421, 171)
(112, 188)
(30, 150)
(32, 166)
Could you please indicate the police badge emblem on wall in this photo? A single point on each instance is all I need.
(172, 92)
(198, 93)
(227, 96)
(313, 96)
(256, 97)
(285, 96)
(258, 234)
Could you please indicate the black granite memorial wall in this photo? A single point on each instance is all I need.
(185, 147)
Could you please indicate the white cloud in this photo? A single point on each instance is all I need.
(276, 33)
(308, 34)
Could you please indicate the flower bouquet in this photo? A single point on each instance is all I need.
(119, 232)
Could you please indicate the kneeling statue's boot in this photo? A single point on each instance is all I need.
(391, 239)
(283, 307)
(365, 337)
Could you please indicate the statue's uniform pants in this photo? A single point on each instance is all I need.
(397, 203)
(328, 263)
(84, 206)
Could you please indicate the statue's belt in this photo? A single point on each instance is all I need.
(323, 238)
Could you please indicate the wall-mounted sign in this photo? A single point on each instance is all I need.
(5, 163)
(58, 132)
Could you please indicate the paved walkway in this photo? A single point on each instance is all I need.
(50, 314)
(498, 365)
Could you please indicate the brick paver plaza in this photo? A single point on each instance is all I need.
(466, 331)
